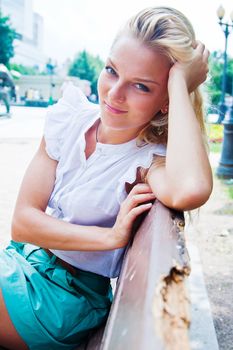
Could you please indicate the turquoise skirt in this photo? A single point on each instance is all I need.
(51, 308)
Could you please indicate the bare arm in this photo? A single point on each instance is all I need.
(31, 223)
(185, 181)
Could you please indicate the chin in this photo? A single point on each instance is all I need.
(111, 120)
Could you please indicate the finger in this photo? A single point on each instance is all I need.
(137, 199)
(195, 43)
(140, 188)
(206, 54)
(138, 210)
(200, 48)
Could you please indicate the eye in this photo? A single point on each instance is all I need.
(110, 70)
(142, 87)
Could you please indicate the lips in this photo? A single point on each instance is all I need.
(113, 109)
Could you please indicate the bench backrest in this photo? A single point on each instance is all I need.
(151, 307)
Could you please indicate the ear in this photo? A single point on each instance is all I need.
(165, 105)
(164, 109)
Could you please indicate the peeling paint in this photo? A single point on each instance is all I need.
(171, 310)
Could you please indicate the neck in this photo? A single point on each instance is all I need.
(105, 134)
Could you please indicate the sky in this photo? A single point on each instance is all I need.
(73, 25)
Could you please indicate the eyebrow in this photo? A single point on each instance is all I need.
(147, 81)
(137, 79)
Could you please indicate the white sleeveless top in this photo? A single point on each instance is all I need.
(89, 192)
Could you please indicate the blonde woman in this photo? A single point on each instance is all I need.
(73, 210)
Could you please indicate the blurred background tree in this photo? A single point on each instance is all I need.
(86, 66)
(24, 70)
(214, 84)
(7, 36)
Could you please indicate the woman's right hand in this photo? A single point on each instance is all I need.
(131, 207)
(193, 72)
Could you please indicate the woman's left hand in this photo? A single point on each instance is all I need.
(193, 72)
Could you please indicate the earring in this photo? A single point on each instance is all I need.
(164, 110)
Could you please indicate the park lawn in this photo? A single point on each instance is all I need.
(214, 132)
(215, 137)
(215, 147)
(230, 191)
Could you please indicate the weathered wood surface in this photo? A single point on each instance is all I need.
(94, 342)
(150, 308)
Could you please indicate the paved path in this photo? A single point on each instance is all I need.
(19, 139)
(25, 123)
(212, 233)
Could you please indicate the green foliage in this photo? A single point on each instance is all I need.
(24, 70)
(214, 132)
(215, 137)
(214, 85)
(215, 147)
(230, 192)
(87, 66)
(7, 36)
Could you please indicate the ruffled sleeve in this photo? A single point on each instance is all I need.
(59, 118)
(143, 160)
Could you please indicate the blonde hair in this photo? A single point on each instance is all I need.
(168, 31)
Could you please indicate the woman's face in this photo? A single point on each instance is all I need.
(133, 85)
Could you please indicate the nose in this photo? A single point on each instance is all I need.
(117, 92)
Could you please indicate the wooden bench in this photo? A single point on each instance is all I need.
(150, 308)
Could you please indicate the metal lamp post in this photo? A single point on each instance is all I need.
(225, 168)
(231, 109)
(226, 30)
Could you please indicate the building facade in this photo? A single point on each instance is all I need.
(45, 88)
(29, 28)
